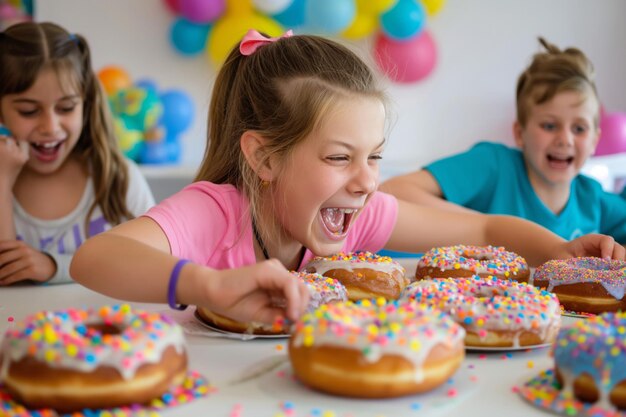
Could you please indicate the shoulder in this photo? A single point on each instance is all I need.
(203, 195)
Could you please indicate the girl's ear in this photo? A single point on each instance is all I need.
(253, 148)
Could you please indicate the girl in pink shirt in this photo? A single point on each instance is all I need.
(296, 131)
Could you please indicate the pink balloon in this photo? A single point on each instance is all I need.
(172, 6)
(408, 60)
(202, 11)
(612, 134)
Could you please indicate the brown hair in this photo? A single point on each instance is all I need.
(552, 72)
(281, 91)
(26, 49)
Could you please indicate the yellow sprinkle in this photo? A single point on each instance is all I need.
(380, 301)
(416, 345)
(49, 355)
(125, 308)
(614, 351)
(71, 350)
(457, 266)
(308, 341)
(530, 364)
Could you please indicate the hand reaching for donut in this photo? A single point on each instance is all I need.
(19, 262)
(601, 246)
(256, 293)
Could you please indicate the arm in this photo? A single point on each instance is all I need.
(132, 262)
(13, 156)
(420, 187)
(420, 228)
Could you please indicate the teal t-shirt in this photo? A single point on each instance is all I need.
(491, 178)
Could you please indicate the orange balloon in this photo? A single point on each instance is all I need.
(114, 78)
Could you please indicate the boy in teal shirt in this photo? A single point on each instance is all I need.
(556, 130)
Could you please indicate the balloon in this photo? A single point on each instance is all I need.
(202, 11)
(147, 84)
(363, 25)
(228, 32)
(114, 78)
(612, 134)
(172, 6)
(178, 111)
(405, 20)
(433, 6)
(374, 7)
(406, 61)
(189, 38)
(271, 6)
(239, 7)
(293, 16)
(153, 153)
(329, 16)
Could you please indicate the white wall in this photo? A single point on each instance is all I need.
(483, 46)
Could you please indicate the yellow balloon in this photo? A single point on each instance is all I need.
(433, 6)
(374, 7)
(363, 25)
(238, 7)
(228, 31)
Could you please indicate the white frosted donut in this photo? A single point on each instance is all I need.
(375, 349)
(102, 358)
(494, 312)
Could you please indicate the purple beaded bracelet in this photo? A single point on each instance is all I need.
(171, 288)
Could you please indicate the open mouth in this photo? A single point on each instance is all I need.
(47, 151)
(337, 221)
(560, 161)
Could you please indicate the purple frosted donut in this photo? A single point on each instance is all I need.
(589, 285)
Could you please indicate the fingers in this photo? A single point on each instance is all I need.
(292, 289)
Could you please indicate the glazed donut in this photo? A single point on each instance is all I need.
(466, 261)
(322, 290)
(590, 285)
(375, 349)
(494, 312)
(102, 358)
(589, 360)
(364, 274)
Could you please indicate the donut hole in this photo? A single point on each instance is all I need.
(103, 329)
(585, 388)
(478, 256)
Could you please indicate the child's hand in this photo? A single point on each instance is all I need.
(597, 245)
(13, 156)
(19, 262)
(259, 293)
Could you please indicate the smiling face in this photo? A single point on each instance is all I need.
(557, 139)
(328, 178)
(49, 116)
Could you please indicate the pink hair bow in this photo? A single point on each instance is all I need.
(253, 39)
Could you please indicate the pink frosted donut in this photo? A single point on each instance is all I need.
(591, 285)
(494, 312)
(466, 261)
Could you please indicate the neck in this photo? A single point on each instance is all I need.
(290, 254)
(555, 197)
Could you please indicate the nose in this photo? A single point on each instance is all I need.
(364, 179)
(565, 137)
(49, 123)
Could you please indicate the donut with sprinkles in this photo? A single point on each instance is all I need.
(589, 360)
(494, 312)
(75, 359)
(466, 261)
(364, 274)
(375, 348)
(322, 290)
(586, 285)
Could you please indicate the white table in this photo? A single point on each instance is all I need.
(485, 388)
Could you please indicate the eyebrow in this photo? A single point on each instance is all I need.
(28, 100)
(350, 147)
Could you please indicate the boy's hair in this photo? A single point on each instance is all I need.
(552, 72)
(25, 50)
(281, 91)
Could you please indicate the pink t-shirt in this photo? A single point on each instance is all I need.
(210, 225)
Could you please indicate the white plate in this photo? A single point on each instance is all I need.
(242, 336)
(505, 349)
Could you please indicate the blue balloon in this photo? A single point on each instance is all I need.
(292, 16)
(189, 38)
(147, 84)
(404, 20)
(178, 111)
(329, 16)
(153, 153)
